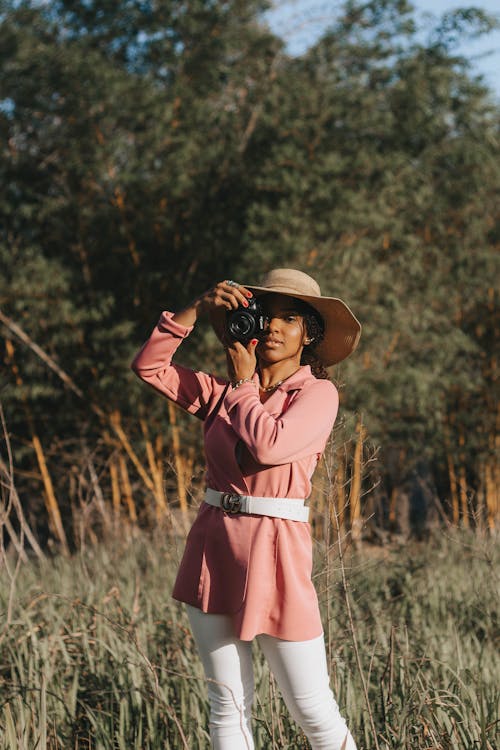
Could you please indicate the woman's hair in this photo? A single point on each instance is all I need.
(315, 331)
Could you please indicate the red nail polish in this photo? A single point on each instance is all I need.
(254, 342)
(245, 303)
(249, 294)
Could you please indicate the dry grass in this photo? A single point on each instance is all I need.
(97, 655)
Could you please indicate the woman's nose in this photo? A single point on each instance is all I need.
(270, 322)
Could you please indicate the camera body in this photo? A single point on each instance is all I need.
(246, 323)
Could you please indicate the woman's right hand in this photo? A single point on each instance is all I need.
(224, 295)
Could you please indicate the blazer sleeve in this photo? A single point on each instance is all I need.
(193, 390)
(302, 430)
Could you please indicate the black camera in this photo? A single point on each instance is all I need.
(246, 323)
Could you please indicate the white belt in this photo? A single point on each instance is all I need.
(276, 507)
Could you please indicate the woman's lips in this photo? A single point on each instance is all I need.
(272, 343)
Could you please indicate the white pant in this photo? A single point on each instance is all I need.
(301, 672)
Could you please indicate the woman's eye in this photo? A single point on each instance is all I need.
(291, 318)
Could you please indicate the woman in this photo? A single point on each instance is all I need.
(246, 569)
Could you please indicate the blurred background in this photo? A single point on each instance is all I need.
(150, 149)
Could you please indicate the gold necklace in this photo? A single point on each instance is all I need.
(270, 388)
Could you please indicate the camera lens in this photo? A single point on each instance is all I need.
(241, 325)
(245, 323)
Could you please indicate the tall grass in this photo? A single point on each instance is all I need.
(97, 655)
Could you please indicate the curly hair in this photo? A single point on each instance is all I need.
(315, 331)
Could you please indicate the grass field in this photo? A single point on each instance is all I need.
(95, 654)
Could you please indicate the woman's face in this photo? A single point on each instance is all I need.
(285, 331)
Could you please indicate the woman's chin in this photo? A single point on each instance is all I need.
(265, 354)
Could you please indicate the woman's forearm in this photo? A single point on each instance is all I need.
(189, 315)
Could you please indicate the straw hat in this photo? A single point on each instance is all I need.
(342, 329)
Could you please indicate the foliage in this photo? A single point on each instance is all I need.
(150, 149)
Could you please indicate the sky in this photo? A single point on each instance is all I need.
(301, 22)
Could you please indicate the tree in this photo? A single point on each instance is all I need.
(388, 156)
(153, 149)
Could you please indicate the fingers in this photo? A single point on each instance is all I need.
(230, 295)
(231, 343)
(251, 345)
(241, 359)
(234, 285)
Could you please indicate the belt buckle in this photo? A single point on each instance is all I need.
(230, 503)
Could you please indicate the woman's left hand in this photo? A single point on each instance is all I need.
(241, 360)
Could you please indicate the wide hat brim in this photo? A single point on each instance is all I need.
(342, 328)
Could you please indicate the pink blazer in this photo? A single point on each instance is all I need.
(255, 568)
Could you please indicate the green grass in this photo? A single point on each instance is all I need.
(97, 655)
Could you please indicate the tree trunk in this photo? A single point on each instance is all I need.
(160, 504)
(115, 487)
(179, 463)
(455, 509)
(355, 493)
(341, 495)
(491, 492)
(50, 497)
(127, 488)
(462, 483)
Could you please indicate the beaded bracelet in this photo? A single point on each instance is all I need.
(240, 382)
